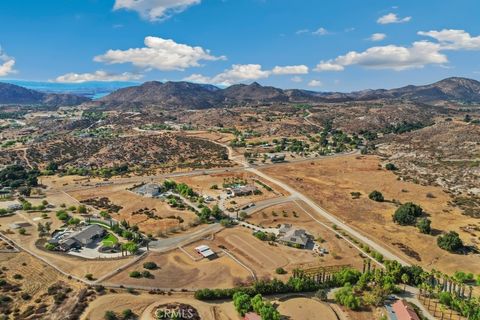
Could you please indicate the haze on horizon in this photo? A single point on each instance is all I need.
(341, 46)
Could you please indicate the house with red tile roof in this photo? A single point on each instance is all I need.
(401, 310)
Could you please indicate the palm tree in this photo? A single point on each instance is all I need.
(405, 279)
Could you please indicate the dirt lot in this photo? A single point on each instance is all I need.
(305, 309)
(144, 304)
(36, 278)
(264, 258)
(178, 270)
(132, 202)
(295, 213)
(330, 181)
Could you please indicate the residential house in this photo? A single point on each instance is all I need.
(292, 236)
(401, 310)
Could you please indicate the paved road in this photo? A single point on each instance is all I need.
(168, 244)
(387, 254)
(260, 205)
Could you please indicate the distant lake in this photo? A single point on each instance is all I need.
(93, 90)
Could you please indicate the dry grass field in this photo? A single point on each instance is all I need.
(144, 305)
(36, 278)
(295, 213)
(263, 258)
(330, 181)
(178, 270)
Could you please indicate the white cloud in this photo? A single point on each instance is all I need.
(97, 76)
(392, 18)
(239, 73)
(155, 10)
(421, 53)
(297, 79)
(450, 39)
(377, 37)
(6, 64)
(7, 68)
(302, 31)
(299, 69)
(320, 32)
(198, 78)
(315, 83)
(328, 66)
(161, 54)
(236, 74)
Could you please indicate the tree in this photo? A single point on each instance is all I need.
(150, 265)
(405, 280)
(376, 196)
(321, 294)
(423, 225)
(110, 315)
(391, 167)
(450, 241)
(131, 247)
(242, 303)
(128, 314)
(407, 214)
(25, 191)
(22, 231)
(280, 270)
(346, 297)
(82, 209)
(268, 312)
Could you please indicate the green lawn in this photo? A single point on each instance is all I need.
(110, 240)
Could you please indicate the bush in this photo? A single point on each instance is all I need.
(135, 274)
(423, 225)
(376, 196)
(450, 241)
(280, 271)
(391, 167)
(150, 265)
(407, 214)
(346, 297)
(110, 315)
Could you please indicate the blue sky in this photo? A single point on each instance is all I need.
(340, 45)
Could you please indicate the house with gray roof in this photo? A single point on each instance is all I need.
(149, 190)
(291, 236)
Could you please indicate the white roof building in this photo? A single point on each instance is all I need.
(205, 251)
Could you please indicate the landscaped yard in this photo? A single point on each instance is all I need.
(110, 240)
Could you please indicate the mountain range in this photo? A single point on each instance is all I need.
(200, 96)
(17, 95)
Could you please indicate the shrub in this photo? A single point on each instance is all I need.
(450, 241)
(423, 225)
(135, 274)
(376, 196)
(110, 315)
(391, 167)
(150, 265)
(407, 214)
(280, 271)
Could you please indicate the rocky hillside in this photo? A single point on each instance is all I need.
(200, 96)
(459, 89)
(13, 94)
